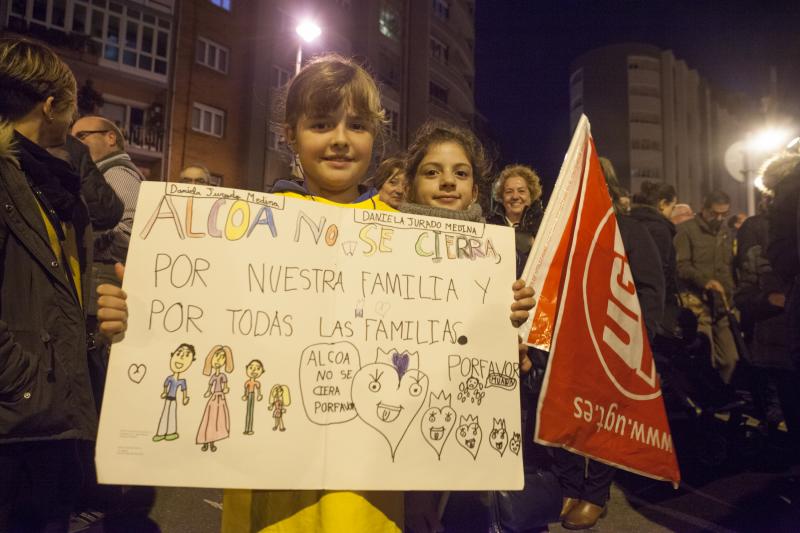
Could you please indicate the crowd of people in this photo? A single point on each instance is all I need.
(69, 191)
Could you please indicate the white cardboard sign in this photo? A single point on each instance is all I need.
(333, 348)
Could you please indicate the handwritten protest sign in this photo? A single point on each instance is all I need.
(281, 343)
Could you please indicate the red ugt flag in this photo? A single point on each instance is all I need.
(601, 395)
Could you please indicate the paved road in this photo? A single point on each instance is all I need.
(753, 492)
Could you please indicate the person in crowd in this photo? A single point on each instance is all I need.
(106, 145)
(517, 192)
(704, 253)
(681, 213)
(761, 298)
(197, 174)
(586, 483)
(333, 116)
(390, 182)
(781, 176)
(652, 207)
(46, 403)
(444, 165)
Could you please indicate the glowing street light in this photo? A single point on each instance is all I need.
(308, 30)
(769, 140)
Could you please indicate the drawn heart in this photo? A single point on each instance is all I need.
(515, 443)
(136, 372)
(382, 308)
(498, 437)
(387, 398)
(469, 434)
(437, 422)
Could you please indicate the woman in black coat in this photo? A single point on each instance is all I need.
(652, 208)
(517, 192)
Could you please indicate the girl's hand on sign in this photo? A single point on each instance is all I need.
(523, 303)
(112, 309)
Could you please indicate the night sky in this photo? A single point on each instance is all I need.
(524, 49)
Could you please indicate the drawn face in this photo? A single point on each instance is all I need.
(498, 437)
(388, 400)
(469, 435)
(437, 423)
(514, 444)
(335, 151)
(180, 360)
(444, 178)
(254, 370)
(472, 383)
(218, 359)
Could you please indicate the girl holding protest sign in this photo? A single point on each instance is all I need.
(443, 167)
(333, 116)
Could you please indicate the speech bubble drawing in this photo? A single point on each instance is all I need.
(326, 374)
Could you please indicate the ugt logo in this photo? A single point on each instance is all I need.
(614, 315)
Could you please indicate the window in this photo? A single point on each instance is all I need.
(389, 21)
(437, 92)
(224, 4)
(280, 77)
(127, 38)
(441, 8)
(439, 50)
(212, 55)
(208, 120)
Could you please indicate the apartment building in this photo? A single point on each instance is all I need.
(120, 53)
(201, 81)
(656, 119)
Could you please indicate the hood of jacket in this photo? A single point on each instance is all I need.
(779, 168)
(647, 214)
(293, 185)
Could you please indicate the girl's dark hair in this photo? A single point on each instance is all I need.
(652, 192)
(436, 132)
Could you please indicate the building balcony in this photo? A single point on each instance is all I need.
(145, 142)
(69, 44)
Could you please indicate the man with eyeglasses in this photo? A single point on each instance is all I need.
(106, 145)
(704, 253)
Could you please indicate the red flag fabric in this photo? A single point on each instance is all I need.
(601, 395)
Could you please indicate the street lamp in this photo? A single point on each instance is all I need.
(308, 31)
(742, 157)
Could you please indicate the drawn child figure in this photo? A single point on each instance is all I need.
(278, 401)
(179, 362)
(216, 424)
(252, 392)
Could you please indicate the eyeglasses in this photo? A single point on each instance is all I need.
(81, 135)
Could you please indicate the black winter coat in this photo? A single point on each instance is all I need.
(645, 264)
(524, 232)
(662, 230)
(45, 392)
